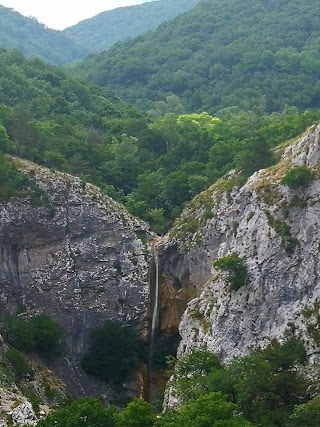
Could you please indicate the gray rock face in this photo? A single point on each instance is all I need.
(276, 231)
(23, 415)
(76, 255)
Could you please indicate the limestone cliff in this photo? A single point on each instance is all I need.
(73, 253)
(275, 230)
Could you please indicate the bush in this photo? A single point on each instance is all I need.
(19, 364)
(112, 353)
(297, 177)
(40, 334)
(87, 412)
(11, 180)
(47, 335)
(20, 334)
(234, 266)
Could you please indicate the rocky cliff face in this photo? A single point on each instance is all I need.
(275, 230)
(69, 251)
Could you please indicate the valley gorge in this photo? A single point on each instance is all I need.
(75, 254)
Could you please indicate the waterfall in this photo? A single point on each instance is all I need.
(155, 311)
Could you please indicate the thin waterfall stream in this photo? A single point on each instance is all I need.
(155, 311)
(154, 289)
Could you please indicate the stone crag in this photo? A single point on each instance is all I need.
(75, 254)
(274, 229)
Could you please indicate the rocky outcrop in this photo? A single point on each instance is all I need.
(274, 229)
(73, 253)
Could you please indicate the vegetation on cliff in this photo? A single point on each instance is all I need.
(266, 388)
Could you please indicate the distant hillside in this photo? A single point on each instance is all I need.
(223, 53)
(104, 30)
(35, 40)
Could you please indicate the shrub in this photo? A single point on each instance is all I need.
(112, 353)
(297, 177)
(11, 180)
(19, 364)
(40, 334)
(234, 266)
(20, 334)
(47, 335)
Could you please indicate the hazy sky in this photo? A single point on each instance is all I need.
(59, 14)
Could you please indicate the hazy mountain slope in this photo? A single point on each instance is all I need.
(221, 54)
(35, 40)
(104, 30)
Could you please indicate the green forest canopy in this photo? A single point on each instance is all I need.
(152, 166)
(223, 53)
(104, 30)
(265, 388)
(36, 40)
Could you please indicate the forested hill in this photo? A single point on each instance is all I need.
(223, 53)
(153, 167)
(35, 40)
(104, 30)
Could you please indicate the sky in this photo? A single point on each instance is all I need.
(59, 14)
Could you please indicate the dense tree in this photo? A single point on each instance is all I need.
(87, 412)
(153, 167)
(221, 54)
(36, 40)
(40, 334)
(112, 353)
(104, 30)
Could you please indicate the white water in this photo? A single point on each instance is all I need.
(156, 297)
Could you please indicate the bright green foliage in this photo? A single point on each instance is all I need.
(298, 176)
(39, 334)
(307, 414)
(236, 269)
(112, 353)
(152, 167)
(19, 364)
(87, 412)
(137, 413)
(211, 409)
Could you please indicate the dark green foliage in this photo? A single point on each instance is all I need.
(11, 180)
(267, 384)
(298, 176)
(104, 30)
(36, 40)
(138, 413)
(112, 353)
(20, 333)
(87, 412)
(236, 269)
(263, 389)
(19, 364)
(211, 409)
(39, 334)
(223, 53)
(47, 335)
